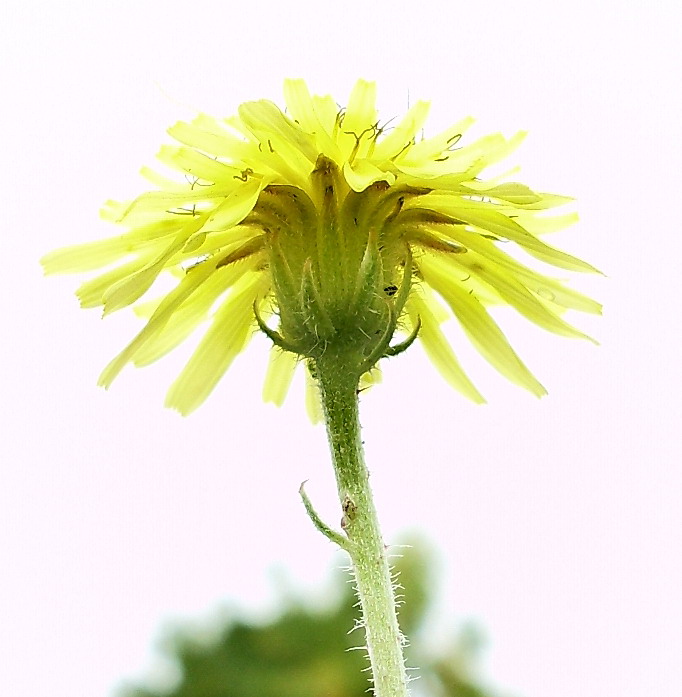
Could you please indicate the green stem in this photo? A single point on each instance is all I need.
(365, 546)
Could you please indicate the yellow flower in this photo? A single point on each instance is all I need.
(338, 230)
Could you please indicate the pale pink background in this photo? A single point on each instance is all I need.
(558, 521)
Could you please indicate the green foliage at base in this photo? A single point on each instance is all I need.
(307, 652)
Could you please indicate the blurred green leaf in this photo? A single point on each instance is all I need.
(307, 653)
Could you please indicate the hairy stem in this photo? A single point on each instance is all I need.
(365, 546)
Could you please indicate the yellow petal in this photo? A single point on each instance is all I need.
(356, 126)
(327, 112)
(370, 378)
(537, 225)
(93, 255)
(128, 290)
(232, 210)
(187, 286)
(264, 119)
(92, 292)
(478, 184)
(161, 182)
(482, 217)
(312, 114)
(394, 143)
(85, 257)
(281, 369)
(465, 162)
(228, 335)
(300, 105)
(434, 147)
(481, 329)
(216, 141)
(546, 288)
(199, 165)
(501, 149)
(361, 113)
(146, 309)
(188, 316)
(157, 204)
(511, 191)
(362, 173)
(546, 201)
(209, 242)
(512, 292)
(313, 403)
(438, 349)
(235, 207)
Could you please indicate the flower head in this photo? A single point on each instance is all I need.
(341, 230)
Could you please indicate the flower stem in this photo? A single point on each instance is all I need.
(365, 546)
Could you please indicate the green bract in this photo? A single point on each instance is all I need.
(338, 228)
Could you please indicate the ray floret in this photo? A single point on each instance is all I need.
(329, 230)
